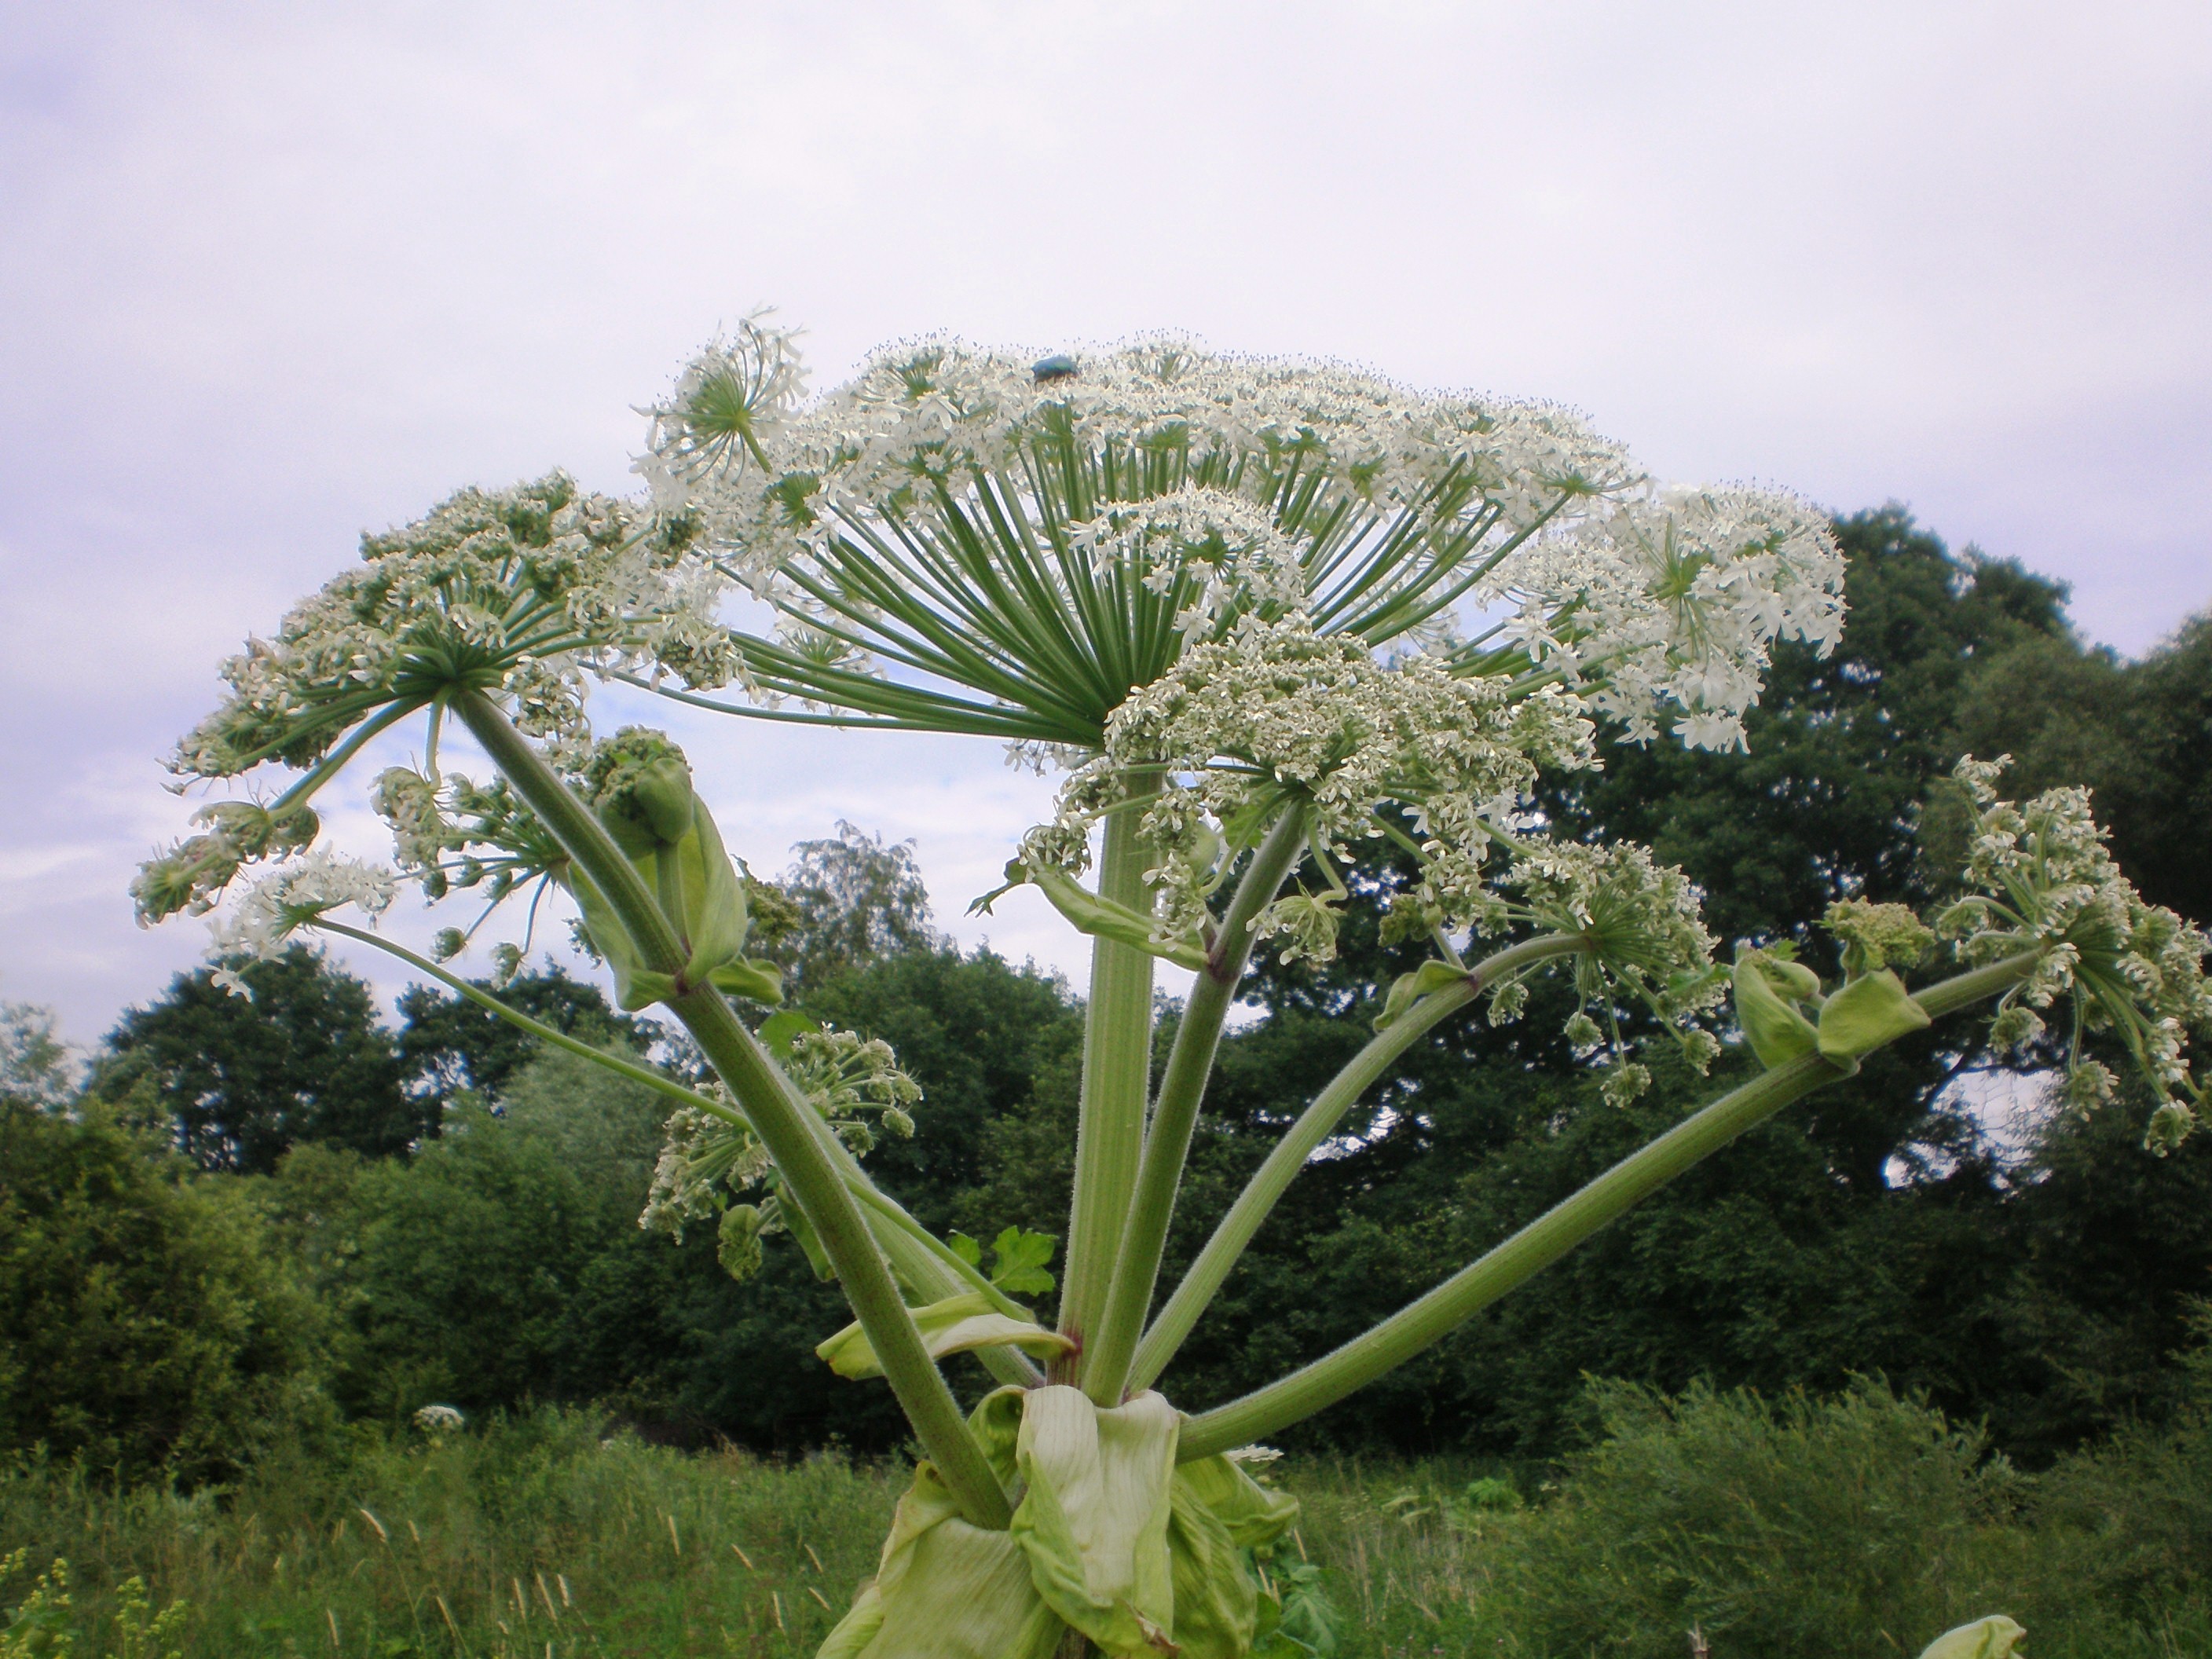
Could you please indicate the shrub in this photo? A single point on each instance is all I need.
(145, 1326)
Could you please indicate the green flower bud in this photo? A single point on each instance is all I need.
(1877, 936)
(738, 1241)
(1771, 1023)
(1872, 1010)
(2169, 1127)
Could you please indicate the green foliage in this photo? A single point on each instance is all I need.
(240, 1082)
(1794, 1512)
(448, 1045)
(1018, 1260)
(147, 1325)
(1822, 1530)
(542, 1529)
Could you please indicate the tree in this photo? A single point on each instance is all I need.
(448, 1045)
(846, 900)
(146, 1324)
(241, 1081)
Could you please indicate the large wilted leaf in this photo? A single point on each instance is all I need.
(953, 1325)
(945, 1590)
(1094, 1519)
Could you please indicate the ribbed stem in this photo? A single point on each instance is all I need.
(777, 1112)
(1545, 1240)
(1175, 1113)
(1315, 1124)
(1109, 1138)
(916, 1254)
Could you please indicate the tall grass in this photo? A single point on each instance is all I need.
(1782, 1529)
(536, 1537)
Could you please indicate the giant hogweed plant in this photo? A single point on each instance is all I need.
(1261, 616)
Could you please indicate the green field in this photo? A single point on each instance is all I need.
(1857, 1526)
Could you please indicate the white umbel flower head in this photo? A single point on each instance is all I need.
(1003, 544)
(259, 923)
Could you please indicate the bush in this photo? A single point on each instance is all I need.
(146, 1327)
(1817, 1530)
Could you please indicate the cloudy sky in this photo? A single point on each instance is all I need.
(271, 273)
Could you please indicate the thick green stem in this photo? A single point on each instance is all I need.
(1315, 1124)
(916, 1254)
(1545, 1240)
(1175, 1113)
(1117, 1043)
(778, 1115)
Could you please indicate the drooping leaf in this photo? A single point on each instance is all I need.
(1993, 1637)
(944, 1589)
(1776, 1029)
(1870, 1011)
(955, 1325)
(1093, 1519)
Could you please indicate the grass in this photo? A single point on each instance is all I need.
(1791, 1532)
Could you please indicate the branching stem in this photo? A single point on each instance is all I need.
(1550, 1235)
(1315, 1124)
(778, 1113)
(1175, 1113)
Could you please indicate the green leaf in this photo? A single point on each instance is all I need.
(1777, 1032)
(1873, 1009)
(1018, 1261)
(1104, 919)
(955, 1325)
(778, 1031)
(944, 1587)
(753, 979)
(966, 1248)
(1093, 1519)
(1220, 1512)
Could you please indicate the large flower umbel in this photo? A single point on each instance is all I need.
(984, 541)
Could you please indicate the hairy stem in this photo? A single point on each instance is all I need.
(1117, 1042)
(778, 1115)
(916, 1254)
(1545, 1240)
(1175, 1113)
(1315, 1124)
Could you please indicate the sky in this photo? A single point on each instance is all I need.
(272, 274)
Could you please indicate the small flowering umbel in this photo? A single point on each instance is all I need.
(260, 923)
(708, 1160)
(2047, 885)
(1278, 717)
(191, 876)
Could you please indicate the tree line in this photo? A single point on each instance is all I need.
(272, 1218)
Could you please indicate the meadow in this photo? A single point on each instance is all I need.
(1859, 1525)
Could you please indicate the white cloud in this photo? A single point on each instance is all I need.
(274, 273)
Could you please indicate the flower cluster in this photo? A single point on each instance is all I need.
(1674, 616)
(191, 876)
(1279, 714)
(709, 1157)
(259, 923)
(515, 592)
(1386, 513)
(2047, 884)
